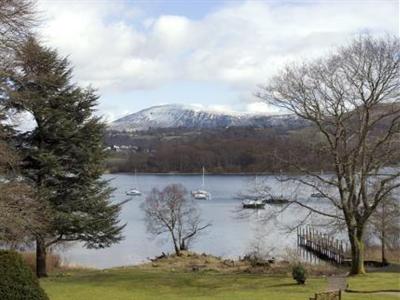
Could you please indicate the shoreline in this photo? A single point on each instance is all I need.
(212, 173)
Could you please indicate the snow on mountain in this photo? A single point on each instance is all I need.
(183, 116)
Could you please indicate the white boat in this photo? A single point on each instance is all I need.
(134, 191)
(201, 194)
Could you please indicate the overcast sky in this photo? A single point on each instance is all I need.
(210, 53)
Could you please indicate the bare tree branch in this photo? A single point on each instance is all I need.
(352, 98)
(171, 211)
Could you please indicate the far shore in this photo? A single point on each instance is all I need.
(213, 173)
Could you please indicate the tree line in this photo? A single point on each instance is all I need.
(232, 150)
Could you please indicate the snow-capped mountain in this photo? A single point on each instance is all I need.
(183, 116)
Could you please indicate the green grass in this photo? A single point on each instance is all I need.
(137, 284)
(375, 281)
(380, 296)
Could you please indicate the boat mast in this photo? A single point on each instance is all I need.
(203, 178)
(135, 179)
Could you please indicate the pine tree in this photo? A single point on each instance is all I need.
(63, 155)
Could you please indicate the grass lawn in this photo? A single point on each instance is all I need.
(135, 283)
(375, 281)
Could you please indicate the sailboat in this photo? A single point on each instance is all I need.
(134, 191)
(201, 194)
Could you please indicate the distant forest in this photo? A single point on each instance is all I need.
(230, 150)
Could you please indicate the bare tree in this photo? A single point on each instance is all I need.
(352, 99)
(385, 225)
(171, 211)
(17, 18)
(21, 214)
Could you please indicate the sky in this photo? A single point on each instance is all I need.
(213, 54)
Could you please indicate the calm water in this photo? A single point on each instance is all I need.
(229, 236)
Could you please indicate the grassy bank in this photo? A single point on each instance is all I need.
(375, 281)
(136, 283)
(198, 276)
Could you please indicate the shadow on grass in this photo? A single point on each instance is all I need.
(391, 268)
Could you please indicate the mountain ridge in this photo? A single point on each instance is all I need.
(193, 117)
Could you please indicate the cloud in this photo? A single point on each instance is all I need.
(218, 108)
(114, 45)
(263, 108)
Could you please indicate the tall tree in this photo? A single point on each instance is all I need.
(63, 155)
(352, 98)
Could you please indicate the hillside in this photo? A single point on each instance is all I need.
(191, 117)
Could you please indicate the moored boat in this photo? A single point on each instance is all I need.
(134, 191)
(253, 204)
(276, 200)
(201, 194)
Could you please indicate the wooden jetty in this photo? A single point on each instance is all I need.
(322, 245)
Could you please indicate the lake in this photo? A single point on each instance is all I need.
(231, 234)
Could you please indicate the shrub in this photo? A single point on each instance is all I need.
(256, 260)
(17, 282)
(299, 274)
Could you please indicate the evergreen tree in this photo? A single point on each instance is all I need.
(63, 155)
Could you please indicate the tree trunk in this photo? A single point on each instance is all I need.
(176, 246)
(41, 270)
(183, 246)
(177, 250)
(384, 260)
(383, 232)
(357, 252)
